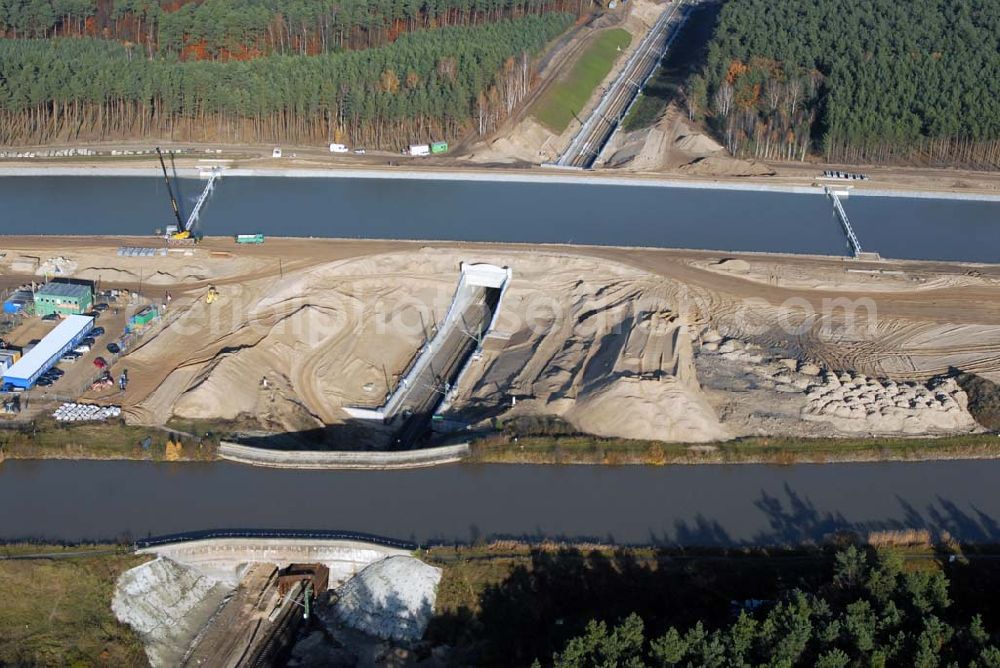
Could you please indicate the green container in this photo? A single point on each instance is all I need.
(144, 317)
(250, 238)
(439, 147)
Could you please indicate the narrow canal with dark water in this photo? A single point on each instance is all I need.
(505, 211)
(686, 505)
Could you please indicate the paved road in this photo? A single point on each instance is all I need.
(585, 148)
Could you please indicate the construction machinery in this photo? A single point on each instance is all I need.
(211, 295)
(183, 232)
(177, 232)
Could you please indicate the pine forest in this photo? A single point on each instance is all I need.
(878, 81)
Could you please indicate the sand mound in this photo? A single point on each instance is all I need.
(723, 166)
(641, 150)
(647, 409)
(698, 144)
(392, 598)
(617, 362)
(529, 141)
(291, 352)
(288, 354)
(167, 604)
(733, 266)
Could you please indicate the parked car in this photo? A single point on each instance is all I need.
(100, 363)
(93, 314)
(359, 151)
(51, 316)
(43, 382)
(113, 348)
(87, 341)
(96, 332)
(55, 372)
(70, 357)
(82, 348)
(103, 306)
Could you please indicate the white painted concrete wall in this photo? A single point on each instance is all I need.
(226, 558)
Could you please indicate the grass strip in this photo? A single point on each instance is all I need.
(565, 99)
(57, 611)
(582, 449)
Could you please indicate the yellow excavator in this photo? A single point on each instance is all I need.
(180, 233)
(211, 295)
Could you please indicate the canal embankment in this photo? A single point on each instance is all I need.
(501, 175)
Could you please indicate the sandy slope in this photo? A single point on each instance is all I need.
(612, 340)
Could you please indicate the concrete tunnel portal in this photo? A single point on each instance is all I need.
(438, 367)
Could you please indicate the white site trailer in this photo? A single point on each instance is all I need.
(66, 336)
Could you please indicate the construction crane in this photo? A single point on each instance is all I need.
(181, 232)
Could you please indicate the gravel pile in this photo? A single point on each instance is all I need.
(167, 604)
(851, 402)
(855, 402)
(391, 599)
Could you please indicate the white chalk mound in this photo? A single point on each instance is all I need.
(391, 599)
(166, 603)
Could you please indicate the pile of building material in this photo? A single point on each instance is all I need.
(140, 251)
(54, 153)
(167, 604)
(73, 412)
(848, 401)
(391, 599)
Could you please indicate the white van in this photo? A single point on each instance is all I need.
(338, 148)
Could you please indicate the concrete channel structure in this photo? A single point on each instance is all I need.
(67, 334)
(471, 315)
(595, 133)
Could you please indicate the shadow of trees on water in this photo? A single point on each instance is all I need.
(795, 520)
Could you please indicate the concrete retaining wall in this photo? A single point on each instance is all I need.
(339, 459)
(225, 558)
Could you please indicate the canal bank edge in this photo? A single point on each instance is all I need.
(527, 449)
(511, 176)
(592, 450)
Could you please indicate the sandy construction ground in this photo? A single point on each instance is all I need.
(673, 345)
